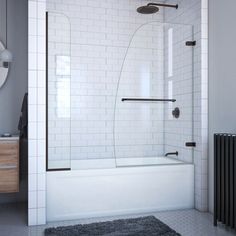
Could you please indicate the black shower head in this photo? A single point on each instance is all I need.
(149, 9)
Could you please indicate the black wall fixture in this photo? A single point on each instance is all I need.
(225, 179)
(176, 113)
(190, 144)
(172, 153)
(190, 43)
(151, 8)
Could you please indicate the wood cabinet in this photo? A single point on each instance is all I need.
(9, 165)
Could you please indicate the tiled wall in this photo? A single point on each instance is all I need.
(202, 163)
(36, 89)
(101, 31)
(139, 126)
(196, 13)
(178, 83)
(100, 35)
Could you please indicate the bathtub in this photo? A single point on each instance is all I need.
(132, 188)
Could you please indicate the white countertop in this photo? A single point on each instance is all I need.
(13, 138)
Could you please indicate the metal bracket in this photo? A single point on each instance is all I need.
(190, 144)
(190, 43)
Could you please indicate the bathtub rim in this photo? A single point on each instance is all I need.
(111, 163)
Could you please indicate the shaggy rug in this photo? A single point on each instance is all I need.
(143, 226)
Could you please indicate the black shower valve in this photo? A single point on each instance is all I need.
(176, 112)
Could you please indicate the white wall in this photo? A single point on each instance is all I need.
(222, 75)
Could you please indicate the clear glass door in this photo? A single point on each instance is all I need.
(58, 91)
(154, 100)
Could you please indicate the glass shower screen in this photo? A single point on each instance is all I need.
(136, 112)
(153, 114)
(58, 91)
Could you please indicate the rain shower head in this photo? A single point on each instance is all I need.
(149, 9)
(152, 8)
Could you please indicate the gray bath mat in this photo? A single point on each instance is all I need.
(144, 226)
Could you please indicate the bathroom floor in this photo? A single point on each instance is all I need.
(13, 220)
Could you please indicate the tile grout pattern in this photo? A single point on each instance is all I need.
(37, 125)
(196, 13)
(96, 60)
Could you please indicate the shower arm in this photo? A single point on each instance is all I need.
(163, 5)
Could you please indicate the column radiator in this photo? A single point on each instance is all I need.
(225, 179)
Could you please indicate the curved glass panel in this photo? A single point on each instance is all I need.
(156, 77)
(58, 91)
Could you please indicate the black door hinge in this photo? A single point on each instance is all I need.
(190, 144)
(190, 43)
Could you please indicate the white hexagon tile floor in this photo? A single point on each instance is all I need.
(186, 222)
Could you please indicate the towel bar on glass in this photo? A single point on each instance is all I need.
(147, 100)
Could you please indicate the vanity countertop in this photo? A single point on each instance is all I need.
(12, 138)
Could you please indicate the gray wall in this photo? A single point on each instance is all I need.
(12, 93)
(222, 74)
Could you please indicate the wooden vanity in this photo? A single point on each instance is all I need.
(9, 165)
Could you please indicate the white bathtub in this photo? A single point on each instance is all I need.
(117, 191)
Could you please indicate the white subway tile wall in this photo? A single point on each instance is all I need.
(37, 125)
(179, 84)
(195, 13)
(100, 34)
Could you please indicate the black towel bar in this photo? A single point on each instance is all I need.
(147, 100)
